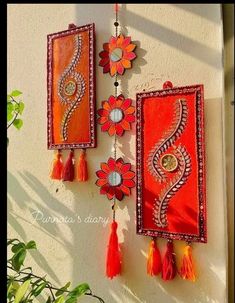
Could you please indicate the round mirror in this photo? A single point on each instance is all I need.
(116, 54)
(70, 88)
(169, 162)
(114, 178)
(116, 115)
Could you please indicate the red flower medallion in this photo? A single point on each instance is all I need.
(115, 179)
(116, 115)
(117, 55)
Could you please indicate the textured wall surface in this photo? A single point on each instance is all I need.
(182, 43)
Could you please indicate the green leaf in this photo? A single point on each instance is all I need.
(60, 300)
(62, 289)
(18, 259)
(39, 289)
(10, 241)
(15, 285)
(19, 107)
(31, 245)
(48, 300)
(18, 123)
(10, 106)
(16, 93)
(21, 291)
(9, 116)
(77, 292)
(9, 289)
(9, 98)
(10, 111)
(17, 247)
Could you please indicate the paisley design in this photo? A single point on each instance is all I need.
(162, 163)
(71, 87)
(176, 129)
(161, 204)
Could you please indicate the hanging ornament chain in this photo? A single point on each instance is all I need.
(116, 24)
(115, 178)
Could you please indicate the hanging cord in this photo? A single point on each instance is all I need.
(116, 24)
(115, 157)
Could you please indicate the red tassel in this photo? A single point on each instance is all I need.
(82, 167)
(113, 261)
(169, 269)
(68, 172)
(154, 263)
(57, 168)
(187, 270)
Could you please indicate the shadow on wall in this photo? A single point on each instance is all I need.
(206, 11)
(17, 194)
(170, 37)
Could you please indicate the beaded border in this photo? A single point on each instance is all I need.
(199, 105)
(91, 87)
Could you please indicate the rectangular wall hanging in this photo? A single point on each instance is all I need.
(71, 88)
(171, 201)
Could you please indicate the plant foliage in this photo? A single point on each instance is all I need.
(24, 286)
(15, 108)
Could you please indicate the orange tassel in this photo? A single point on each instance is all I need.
(187, 270)
(113, 261)
(169, 265)
(154, 263)
(57, 168)
(68, 171)
(82, 167)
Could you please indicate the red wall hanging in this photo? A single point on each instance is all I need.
(71, 98)
(171, 201)
(116, 115)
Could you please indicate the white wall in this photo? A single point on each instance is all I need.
(182, 43)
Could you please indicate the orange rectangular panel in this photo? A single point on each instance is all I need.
(171, 190)
(71, 88)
